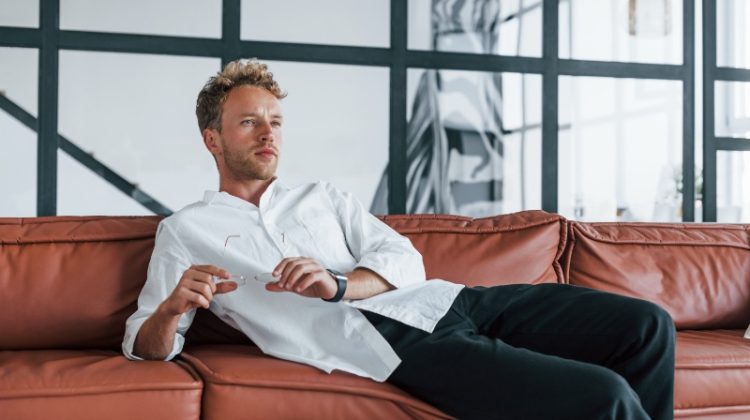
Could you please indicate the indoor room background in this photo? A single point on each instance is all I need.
(600, 110)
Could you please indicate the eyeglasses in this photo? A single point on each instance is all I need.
(240, 279)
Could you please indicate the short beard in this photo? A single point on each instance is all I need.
(242, 169)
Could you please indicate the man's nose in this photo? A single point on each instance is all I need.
(266, 131)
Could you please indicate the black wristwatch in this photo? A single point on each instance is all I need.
(340, 282)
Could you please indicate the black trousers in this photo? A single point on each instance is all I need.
(539, 352)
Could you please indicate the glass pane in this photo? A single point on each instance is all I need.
(195, 18)
(733, 187)
(732, 109)
(336, 128)
(23, 13)
(81, 192)
(136, 114)
(336, 22)
(732, 40)
(18, 76)
(643, 31)
(507, 27)
(17, 168)
(474, 143)
(18, 83)
(620, 153)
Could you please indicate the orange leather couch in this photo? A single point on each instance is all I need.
(67, 284)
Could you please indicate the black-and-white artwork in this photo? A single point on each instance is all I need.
(455, 152)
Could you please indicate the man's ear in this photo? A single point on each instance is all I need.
(211, 141)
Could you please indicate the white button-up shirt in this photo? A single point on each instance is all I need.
(313, 220)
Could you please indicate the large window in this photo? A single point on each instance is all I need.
(584, 107)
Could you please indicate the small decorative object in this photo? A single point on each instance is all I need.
(649, 18)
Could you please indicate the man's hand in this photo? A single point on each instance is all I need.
(196, 289)
(303, 276)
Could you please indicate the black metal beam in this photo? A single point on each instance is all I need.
(397, 163)
(140, 44)
(732, 74)
(230, 31)
(18, 113)
(621, 70)
(371, 56)
(476, 62)
(733, 144)
(312, 53)
(46, 162)
(550, 93)
(688, 112)
(709, 138)
(88, 160)
(20, 37)
(500, 63)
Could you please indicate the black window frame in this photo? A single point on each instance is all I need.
(49, 40)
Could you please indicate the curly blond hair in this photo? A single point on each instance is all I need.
(249, 72)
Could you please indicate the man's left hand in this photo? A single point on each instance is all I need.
(303, 276)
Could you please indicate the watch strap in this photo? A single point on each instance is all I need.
(340, 283)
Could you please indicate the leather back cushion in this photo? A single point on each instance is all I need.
(71, 282)
(521, 247)
(700, 273)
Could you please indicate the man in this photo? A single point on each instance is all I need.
(517, 351)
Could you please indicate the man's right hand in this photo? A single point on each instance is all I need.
(196, 289)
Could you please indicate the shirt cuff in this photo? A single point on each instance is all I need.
(399, 271)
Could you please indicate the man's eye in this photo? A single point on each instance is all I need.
(276, 124)
(248, 122)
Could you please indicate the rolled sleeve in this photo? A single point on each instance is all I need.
(132, 331)
(168, 261)
(374, 244)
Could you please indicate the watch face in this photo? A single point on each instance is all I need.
(337, 274)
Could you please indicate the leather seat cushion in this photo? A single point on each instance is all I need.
(76, 384)
(712, 374)
(239, 380)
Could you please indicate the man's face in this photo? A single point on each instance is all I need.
(251, 137)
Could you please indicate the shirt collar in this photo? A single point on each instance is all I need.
(222, 197)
